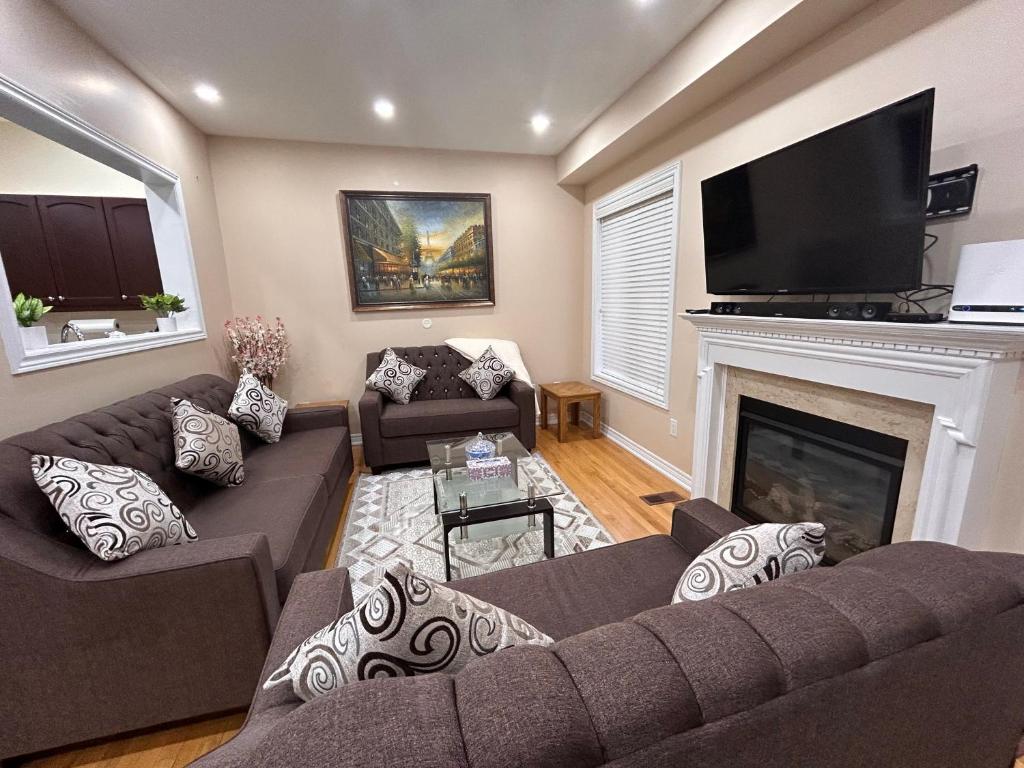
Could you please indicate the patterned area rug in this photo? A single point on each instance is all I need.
(391, 517)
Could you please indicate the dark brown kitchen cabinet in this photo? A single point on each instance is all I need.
(79, 248)
(23, 249)
(89, 253)
(131, 239)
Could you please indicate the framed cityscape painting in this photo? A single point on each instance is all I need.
(413, 250)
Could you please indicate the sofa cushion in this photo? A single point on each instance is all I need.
(395, 377)
(430, 417)
(409, 625)
(323, 452)
(258, 409)
(488, 374)
(206, 445)
(115, 511)
(287, 511)
(751, 556)
(573, 594)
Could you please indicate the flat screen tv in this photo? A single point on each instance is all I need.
(840, 212)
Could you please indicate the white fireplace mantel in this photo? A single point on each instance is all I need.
(969, 373)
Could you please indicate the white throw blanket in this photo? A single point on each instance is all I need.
(508, 351)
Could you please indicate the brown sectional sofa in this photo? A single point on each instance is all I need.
(443, 405)
(908, 655)
(92, 648)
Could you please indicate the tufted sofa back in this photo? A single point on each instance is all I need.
(907, 655)
(442, 364)
(135, 433)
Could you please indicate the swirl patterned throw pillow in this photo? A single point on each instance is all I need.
(258, 409)
(205, 444)
(749, 556)
(487, 375)
(409, 625)
(395, 377)
(115, 511)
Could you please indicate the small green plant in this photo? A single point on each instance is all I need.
(164, 304)
(28, 310)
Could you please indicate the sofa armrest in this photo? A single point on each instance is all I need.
(315, 600)
(698, 523)
(300, 419)
(523, 395)
(183, 630)
(250, 550)
(371, 407)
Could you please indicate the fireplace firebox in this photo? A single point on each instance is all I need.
(793, 466)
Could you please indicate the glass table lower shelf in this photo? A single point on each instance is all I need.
(514, 484)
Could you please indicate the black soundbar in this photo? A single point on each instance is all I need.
(814, 310)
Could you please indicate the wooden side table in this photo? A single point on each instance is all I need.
(568, 395)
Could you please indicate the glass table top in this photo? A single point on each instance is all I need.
(452, 475)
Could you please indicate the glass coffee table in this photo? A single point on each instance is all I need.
(461, 501)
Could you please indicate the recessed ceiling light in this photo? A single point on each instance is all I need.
(207, 92)
(540, 123)
(97, 84)
(385, 109)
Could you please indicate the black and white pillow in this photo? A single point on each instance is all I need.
(206, 445)
(749, 556)
(487, 375)
(258, 409)
(115, 511)
(409, 625)
(395, 377)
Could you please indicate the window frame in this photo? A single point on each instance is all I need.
(634, 193)
(167, 217)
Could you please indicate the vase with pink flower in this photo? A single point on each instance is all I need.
(258, 347)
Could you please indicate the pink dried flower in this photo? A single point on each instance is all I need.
(260, 349)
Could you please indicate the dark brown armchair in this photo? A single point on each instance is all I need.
(443, 405)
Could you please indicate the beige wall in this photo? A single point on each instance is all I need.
(44, 52)
(31, 164)
(889, 51)
(281, 221)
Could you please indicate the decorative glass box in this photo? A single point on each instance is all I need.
(489, 469)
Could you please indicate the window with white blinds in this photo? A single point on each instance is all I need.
(634, 285)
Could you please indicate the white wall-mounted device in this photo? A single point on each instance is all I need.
(989, 285)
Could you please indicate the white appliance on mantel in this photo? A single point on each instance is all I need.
(970, 374)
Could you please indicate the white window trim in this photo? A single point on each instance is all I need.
(651, 185)
(170, 234)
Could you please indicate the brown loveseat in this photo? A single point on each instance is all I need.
(909, 655)
(91, 648)
(443, 405)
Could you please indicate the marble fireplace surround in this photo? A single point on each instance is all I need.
(952, 383)
(905, 419)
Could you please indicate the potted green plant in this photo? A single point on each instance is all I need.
(165, 305)
(29, 310)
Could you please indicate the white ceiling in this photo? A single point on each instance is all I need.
(463, 74)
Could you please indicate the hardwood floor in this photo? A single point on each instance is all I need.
(606, 479)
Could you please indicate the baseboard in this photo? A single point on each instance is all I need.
(651, 459)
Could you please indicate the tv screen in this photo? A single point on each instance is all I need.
(840, 212)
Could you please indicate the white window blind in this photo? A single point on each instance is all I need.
(634, 276)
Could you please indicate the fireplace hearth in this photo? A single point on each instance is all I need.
(793, 466)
